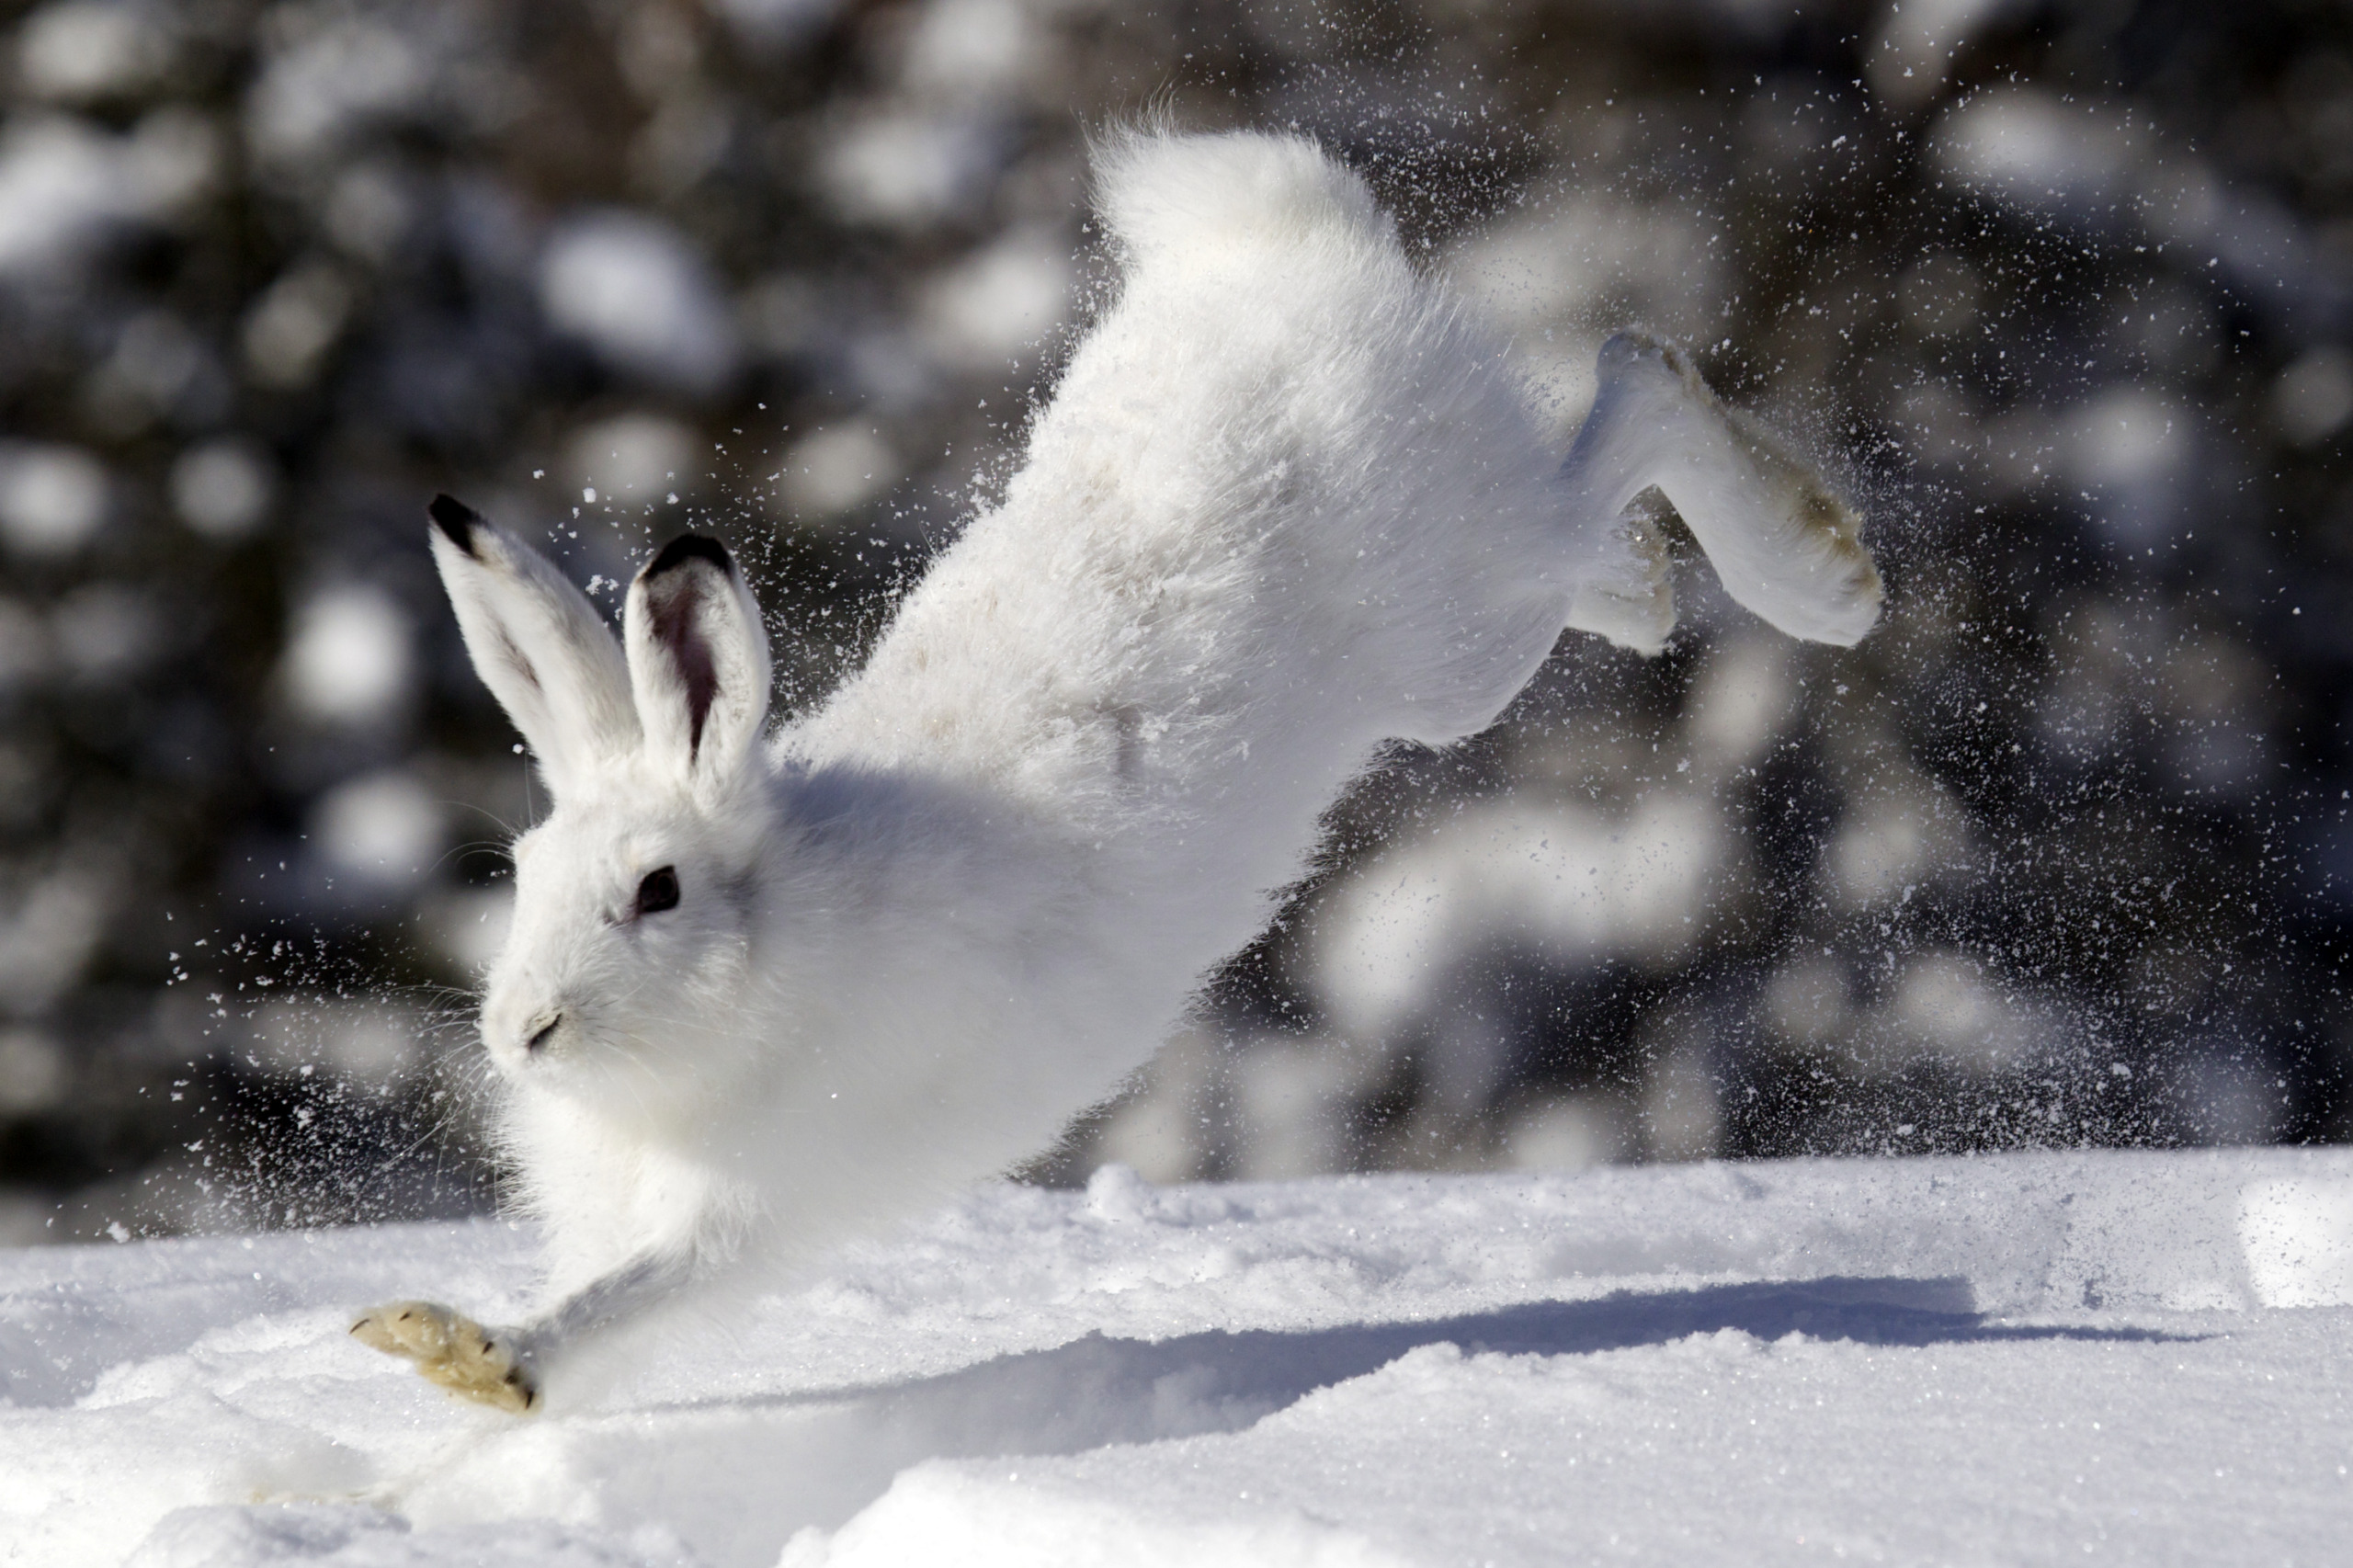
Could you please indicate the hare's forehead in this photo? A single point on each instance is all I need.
(589, 838)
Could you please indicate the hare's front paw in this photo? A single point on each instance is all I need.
(456, 1352)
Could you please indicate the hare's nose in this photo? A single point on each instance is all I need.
(545, 1032)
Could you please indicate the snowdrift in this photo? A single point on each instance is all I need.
(2030, 1358)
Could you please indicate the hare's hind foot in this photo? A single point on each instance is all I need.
(456, 1352)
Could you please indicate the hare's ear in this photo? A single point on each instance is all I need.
(538, 643)
(699, 661)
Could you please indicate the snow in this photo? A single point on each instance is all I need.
(1001, 303)
(349, 658)
(327, 84)
(779, 23)
(638, 292)
(66, 185)
(82, 50)
(223, 487)
(1576, 884)
(2025, 1358)
(52, 497)
(909, 168)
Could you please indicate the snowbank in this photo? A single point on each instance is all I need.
(2131, 1357)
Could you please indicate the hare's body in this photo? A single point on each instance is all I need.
(1286, 503)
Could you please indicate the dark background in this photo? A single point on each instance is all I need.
(2057, 856)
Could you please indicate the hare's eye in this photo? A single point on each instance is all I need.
(658, 892)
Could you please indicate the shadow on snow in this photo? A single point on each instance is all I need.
(831, 1453)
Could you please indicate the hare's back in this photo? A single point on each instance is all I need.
(1275, 460)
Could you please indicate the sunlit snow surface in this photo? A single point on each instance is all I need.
(2135, 1359)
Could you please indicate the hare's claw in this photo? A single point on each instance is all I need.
(456, 1352)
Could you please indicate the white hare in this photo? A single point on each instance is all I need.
(764, 993)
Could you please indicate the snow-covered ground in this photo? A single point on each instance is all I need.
(2139, 1358)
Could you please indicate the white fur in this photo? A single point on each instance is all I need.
(1286, 503)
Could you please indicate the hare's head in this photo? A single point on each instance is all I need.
(636, 897)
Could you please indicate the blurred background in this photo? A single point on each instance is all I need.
(2062, 291)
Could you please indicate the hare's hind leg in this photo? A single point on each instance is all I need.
(487, 1365)
(1783, 543)
(612, 1298)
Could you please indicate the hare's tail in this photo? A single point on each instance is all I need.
(1784, 544)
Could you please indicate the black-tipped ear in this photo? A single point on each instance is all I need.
(538, 643)
(698, 661)
(456, 520)
(690, 547)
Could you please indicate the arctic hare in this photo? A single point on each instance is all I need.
(766, 992)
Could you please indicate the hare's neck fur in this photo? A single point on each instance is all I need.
(605, 1192)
